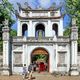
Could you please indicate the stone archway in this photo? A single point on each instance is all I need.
(40, 30)
(24, 29)
(55, 28)
(40, 55)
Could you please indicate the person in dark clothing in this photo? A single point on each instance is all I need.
(30, 67)
(34, 66)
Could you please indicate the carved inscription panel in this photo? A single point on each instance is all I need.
(17, 59)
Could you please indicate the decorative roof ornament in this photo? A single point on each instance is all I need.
(39, 7)
(16, 13)
(19, 5)
(73, 21)
(5, 23)
(27, 5)
(53, 6)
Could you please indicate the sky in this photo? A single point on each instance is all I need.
(34, 3)
(43, 3)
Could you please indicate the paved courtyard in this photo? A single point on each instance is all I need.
(41, 76)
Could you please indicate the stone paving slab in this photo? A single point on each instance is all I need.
(41, 76)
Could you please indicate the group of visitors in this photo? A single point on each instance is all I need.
(28, 71)
(33, 67)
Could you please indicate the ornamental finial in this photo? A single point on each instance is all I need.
(73, 21)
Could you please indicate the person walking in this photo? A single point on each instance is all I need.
(24, 73)
(30, 69)
(34, 66)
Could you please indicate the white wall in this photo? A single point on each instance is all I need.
(51, 54)
(47, 24)
(19, 28)
(61, 27)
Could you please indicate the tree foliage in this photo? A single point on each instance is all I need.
(67, 31)
(6, 12)
(13, 32)
(73, 9)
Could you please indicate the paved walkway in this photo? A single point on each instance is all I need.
(41, 76)
(48, 76)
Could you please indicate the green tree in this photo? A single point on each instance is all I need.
(73, 9)
(67, 31)
(40, 57)
(13, 32)
(6, 12)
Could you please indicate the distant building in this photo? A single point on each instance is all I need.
(40, 31)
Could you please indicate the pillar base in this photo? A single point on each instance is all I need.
(74, 71)
(6, 71)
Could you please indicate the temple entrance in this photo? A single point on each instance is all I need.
(40, 60)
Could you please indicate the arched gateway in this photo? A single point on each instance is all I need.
(40, 56)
